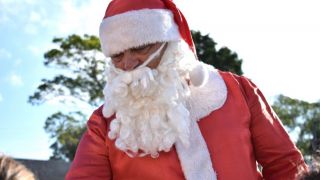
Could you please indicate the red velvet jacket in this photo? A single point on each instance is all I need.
(244, 131)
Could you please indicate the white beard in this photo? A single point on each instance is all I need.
(150, 104)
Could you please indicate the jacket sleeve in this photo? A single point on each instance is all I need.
(91, 161)
(273, 148)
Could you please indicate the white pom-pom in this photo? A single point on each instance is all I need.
(198, 75)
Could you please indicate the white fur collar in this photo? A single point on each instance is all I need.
(195, 160)
(209, 97)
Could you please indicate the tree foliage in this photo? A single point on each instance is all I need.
(223, 59)
(81, 63)
(302, 115)
(80, 78)
(83, 75)
(66, 129)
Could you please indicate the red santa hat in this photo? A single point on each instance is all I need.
(129, 23)
(133, 23)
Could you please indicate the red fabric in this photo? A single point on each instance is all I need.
(117, 7)
(243, 131)
(182, 24)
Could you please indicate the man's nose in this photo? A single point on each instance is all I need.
(130, 61)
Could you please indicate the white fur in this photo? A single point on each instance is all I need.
(136, 28)
(191, 147)
(195, 160)
(208, 97)
(198, 75)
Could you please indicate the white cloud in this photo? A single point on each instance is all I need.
(17, 62)
(33, 24)
(31, 29)
(35, 17)
(57, 18)
(3, 18)
(277, 40)
(36, 21)
(1, 98)
(3, 2)
(9, 10)
(79, 18)
(35, 50)
(15, 80)
(30, 1)
(26, 15)
(4, 54)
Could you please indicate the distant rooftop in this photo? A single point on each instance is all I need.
(47, 170)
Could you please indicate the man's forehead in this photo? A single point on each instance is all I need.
(137, 47)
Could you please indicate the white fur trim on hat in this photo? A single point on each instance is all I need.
(136, 28)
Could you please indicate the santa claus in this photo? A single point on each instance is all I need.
(168, 116)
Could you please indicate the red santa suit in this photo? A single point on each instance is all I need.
(232, 126)
(240, 131)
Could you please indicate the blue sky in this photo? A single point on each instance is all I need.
(278, 41)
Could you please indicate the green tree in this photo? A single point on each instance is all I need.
(81, 63)
(66, 129)
(223, 59)
(302, 115)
